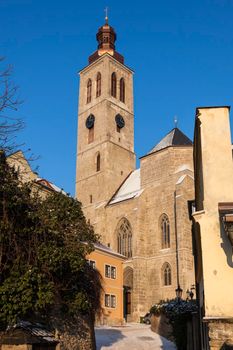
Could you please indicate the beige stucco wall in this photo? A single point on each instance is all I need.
(217, 170)
(20, 164)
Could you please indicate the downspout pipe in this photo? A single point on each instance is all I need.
(177, 243)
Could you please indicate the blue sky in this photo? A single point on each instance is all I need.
(181, 52)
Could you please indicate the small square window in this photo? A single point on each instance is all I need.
(107, 300)
(107, 271)
(113, 272)
(113, 301)
(92, 263)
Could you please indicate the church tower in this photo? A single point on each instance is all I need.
(105, 151)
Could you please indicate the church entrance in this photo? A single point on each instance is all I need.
(127, 302)
(128, 288)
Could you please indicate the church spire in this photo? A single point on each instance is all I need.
(106, 37)
(106, 15)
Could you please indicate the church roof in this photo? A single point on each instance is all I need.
(130, 188)
(174, 138)
(49, 185)
(105, 249)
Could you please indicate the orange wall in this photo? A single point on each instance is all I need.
(111, 286)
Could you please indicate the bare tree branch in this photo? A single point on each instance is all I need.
(10, 124)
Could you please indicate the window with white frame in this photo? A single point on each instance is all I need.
(110, 271)
(110, 300)
(113, 301)
(91, 263)
(107, 271)
(107, 300)
(113, 272)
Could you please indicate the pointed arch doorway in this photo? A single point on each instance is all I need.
(128, 289)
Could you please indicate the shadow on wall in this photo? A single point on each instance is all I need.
(107, 337)
(227, 347)
(160, 325)
(226, 246)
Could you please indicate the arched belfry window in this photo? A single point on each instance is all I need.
(113, 84)
(122, 90)
(98, 162)
(124, 238)
(166, 274)
(89, 86)
(98, 84)
(165, 231)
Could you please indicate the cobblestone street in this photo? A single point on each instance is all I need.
(130, 337)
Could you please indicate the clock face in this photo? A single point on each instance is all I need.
(119, 121)
(90, 121)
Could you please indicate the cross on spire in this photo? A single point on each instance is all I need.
(106, 14)
(176, 121)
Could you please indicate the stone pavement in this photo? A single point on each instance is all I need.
(132, 336)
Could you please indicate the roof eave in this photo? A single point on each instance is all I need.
(162, 149)
(105, 54)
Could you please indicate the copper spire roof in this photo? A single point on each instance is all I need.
(106, 37)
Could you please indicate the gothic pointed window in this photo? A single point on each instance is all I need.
(124, 238)
(98, 85)
(98, 162)
(122, 90)
(89, 86)
(167, 274)
(113, 84)
(165, 231)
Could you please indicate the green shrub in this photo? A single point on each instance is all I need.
(178, 313)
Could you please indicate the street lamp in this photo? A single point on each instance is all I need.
(190, 294)
(179, 292)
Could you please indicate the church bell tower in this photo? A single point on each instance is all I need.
(105, 150)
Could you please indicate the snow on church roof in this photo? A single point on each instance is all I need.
(49, 185)
(131, 188)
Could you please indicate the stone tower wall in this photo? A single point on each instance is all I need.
(116, 149)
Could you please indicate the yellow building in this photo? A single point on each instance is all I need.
(110, 266)
(18, 161)
(213, 226)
